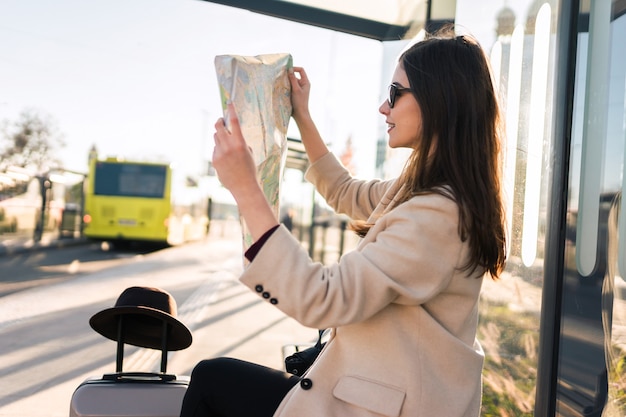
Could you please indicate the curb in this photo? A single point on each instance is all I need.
(53, 244)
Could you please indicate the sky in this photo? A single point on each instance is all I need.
(136, 78)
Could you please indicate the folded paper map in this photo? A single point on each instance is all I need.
(258, 87)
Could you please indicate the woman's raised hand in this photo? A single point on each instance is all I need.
(236, 169)
(300, 90)
(232, 157)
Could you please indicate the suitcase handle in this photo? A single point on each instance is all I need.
(121, 333)
(134, 376)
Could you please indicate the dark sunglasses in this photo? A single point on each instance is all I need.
(395, 90)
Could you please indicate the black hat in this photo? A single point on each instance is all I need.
(144, 311)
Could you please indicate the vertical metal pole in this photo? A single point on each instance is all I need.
(342, 237)
(324, 225)
(164, 335)
(312, 228)
(40, 221)
(119, 358)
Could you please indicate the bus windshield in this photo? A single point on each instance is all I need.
(130, 180)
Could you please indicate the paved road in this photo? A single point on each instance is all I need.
(48, 347)
(33, 268)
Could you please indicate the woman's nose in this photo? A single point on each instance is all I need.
(384, 108)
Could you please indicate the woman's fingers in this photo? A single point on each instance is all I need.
(235, 128)
(298, 78)
(222, 132)
(300, 89)
(232, 157)
(229, 143)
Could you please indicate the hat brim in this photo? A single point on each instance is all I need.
(143, 327)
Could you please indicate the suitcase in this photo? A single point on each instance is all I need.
(135, 394)
(129, 395)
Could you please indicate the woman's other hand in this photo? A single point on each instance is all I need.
(300, 90)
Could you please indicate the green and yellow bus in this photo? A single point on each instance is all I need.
(128, 201)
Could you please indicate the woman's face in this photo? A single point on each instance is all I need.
(404, 120)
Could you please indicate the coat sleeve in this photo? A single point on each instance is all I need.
(345, 194)
(408, 257)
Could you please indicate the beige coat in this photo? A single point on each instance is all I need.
(404, 316)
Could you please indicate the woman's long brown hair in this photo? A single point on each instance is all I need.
(459, 148)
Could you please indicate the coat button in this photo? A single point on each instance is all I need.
(266, 295)
(306, 384)
(258, 288)
(273, 301)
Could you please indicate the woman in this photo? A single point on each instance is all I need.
(403, 306)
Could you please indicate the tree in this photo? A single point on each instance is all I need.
(30, 141)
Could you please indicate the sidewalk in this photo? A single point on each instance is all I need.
(49, 349)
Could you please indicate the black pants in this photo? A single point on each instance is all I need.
(226, 387)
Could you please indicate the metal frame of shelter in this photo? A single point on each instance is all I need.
(328, 19)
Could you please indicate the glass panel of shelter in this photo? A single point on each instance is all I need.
(593, 342)
(522, 55)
